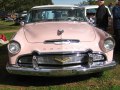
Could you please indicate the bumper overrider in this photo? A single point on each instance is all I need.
(65, 64)
(77, 70)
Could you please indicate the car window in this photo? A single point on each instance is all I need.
(90, 13)
(55, 15)
(93, 10)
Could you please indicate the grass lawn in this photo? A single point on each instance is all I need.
(8, 26)
(109, 81)
(9, 35)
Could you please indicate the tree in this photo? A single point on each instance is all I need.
(93, 2)
(20, 5)
(107, 2)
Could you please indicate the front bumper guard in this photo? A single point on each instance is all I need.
(61, 71)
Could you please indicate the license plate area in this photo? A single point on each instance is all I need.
(63, 72)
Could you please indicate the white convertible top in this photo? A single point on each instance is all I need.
(54, 6)
(93, 6)
(89, 6)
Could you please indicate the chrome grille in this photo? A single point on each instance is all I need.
(62, 59)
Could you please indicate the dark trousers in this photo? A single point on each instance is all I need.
(117, 39)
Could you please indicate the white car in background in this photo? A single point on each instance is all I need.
(90, 11)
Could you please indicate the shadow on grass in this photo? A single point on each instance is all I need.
(117, 58)
(26, 81)
(17, 80)
(15, 24)
(3, 56)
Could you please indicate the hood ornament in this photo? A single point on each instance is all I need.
(59, 32)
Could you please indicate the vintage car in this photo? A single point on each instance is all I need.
(57, 40)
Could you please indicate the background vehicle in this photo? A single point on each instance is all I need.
(8, 19)
(3, 15)
(90, 11)
(20, 17)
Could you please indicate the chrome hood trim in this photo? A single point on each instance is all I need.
(61, 41)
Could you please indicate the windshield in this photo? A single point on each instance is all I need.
(55, 15)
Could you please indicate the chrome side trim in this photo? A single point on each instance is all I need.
(76, 70)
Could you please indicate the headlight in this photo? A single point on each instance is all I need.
(109, 44)
(14, 47)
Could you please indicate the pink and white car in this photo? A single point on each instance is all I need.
(57, 40)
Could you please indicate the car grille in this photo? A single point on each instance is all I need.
(59, 60)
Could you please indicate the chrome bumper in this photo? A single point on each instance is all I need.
(77, 70)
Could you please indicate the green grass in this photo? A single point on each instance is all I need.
(9, 35)
(8, 26)
(109, 81)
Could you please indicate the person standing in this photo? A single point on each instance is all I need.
(116, 25)
(102, 15)
(110, 7)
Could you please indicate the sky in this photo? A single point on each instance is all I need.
(65, 2)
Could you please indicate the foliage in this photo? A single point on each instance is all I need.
(93, 2)
(107, 2)
(20, 5)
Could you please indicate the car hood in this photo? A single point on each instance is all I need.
(39, 32)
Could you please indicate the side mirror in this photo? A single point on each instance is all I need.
(22, 23)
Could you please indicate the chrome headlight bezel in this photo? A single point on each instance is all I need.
(14, 47)
(109, 44)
